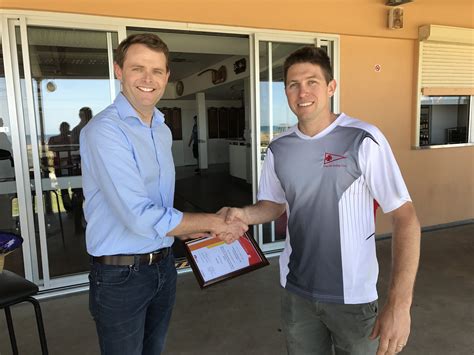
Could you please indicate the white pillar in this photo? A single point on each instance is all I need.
(248, 129)
(202, 129)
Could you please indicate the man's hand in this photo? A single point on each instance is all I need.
(232, 213)
(261, 212)
(393, 323)
(229, 231)
(393, 328)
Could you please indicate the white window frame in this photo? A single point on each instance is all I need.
(435, 35)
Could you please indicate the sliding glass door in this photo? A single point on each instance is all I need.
(61, 77)
(9, 199)
(273, 116)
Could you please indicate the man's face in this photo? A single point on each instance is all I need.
(144, 77)
(307, 92)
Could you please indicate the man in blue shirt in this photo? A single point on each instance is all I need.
(128, 179)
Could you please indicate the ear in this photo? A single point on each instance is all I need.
(118, 71)
(332, 87)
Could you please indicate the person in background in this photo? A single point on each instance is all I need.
(328, 171)
(60, 145)
(4, 141)
(195, 142)
(62, 140)
(128, 179)
(6, 164)
(85, 115)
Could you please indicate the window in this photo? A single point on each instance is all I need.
(446, 86)
(444, 120)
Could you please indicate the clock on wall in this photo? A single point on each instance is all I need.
(179, 88)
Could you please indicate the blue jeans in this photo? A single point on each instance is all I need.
(132, 306)
(313, 327)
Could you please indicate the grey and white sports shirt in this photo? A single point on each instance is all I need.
(329, 183)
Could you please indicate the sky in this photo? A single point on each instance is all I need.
(65, 102)
(282, 115)
(70, 95)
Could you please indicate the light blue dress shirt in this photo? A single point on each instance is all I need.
(128, 179)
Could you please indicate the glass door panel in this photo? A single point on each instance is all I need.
(9, 206)
(275, 116)
(71, 80)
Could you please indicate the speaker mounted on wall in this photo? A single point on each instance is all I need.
(395, 18)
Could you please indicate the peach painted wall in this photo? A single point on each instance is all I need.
(440, 180)
(355, 17)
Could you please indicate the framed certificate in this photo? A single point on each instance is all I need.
(212, 260)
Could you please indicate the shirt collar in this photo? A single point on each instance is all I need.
(126, 110)
(324, 132)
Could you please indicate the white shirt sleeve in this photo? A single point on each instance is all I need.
(382, 174)
(270, 188)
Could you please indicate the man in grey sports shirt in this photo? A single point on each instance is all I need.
(328, 172)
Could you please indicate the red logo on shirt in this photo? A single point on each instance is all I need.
(330, 158)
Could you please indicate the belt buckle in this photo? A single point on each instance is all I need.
(150, 255)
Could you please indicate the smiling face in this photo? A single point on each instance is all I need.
(308, 93)
(144, 76)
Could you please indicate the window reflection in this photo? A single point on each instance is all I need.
(71, 82)
(275, 114)
(9, 212)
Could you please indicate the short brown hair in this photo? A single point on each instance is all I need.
(313, 55)
(150, 40)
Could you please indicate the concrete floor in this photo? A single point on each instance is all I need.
(241, 316)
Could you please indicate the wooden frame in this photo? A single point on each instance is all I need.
(204, 254)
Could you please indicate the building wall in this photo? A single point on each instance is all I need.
(440, 180)
(361, 17)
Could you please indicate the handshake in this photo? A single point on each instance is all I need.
(234, 226)
(228, 224)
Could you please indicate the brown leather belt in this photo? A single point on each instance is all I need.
(149, 258)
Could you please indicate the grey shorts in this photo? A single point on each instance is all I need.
(313, 327)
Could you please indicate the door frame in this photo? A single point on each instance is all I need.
(18, 116)
(332, 43)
